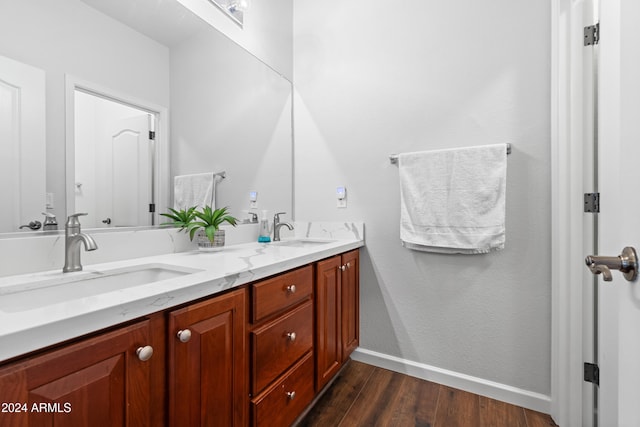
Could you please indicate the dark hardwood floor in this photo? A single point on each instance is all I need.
(365, 395)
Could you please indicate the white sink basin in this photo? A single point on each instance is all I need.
(60, 287)
(302, 243)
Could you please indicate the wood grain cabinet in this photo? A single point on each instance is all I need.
(350, 295)
(281, 340)
(207, 365)
(257, 356)
(337, 293)
(100, 381)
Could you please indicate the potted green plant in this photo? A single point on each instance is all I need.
(206, 225)
(180, 217)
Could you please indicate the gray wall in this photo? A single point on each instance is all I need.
(373, 79)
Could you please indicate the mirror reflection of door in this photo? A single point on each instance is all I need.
(114, 153)
(22, 134)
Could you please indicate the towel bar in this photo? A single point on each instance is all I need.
(394, 157)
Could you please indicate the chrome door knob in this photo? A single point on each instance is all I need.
(626, 263)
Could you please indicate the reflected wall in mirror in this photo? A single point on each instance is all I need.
(226, 109)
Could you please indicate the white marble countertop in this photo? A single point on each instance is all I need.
(61, 318)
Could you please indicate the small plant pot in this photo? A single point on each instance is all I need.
(204, 244)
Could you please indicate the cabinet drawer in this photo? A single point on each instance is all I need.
(282, 403)
(278, 293)
(278, 344)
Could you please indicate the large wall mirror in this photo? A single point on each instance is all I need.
(130, 94)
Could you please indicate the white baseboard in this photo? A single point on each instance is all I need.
(505, 393)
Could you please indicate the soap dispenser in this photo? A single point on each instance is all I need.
(264, 235)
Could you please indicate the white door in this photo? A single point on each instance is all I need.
(619, 320)
(22, 144)
(113, 162)
(131, 172)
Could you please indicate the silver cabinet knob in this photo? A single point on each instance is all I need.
(342, 268)
(291, 336)
(144, 353)
(291, 395)
(627, 263)
(184, 335)
(291, 289)
(348, 265)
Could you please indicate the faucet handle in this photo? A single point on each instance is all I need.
(72, 220)
(276, 217)
(50, 221)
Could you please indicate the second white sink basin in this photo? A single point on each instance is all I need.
(73, 286)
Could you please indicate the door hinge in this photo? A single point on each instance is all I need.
(152, 207)
(592, 202)
(592, 35)
(592, 373)
(152, 135)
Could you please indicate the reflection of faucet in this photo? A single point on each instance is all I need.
(277, 224)
(50, 222)
(73, 238)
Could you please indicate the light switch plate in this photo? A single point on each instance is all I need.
(341, 195)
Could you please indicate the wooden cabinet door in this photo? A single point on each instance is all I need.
(350, 303)
(207, 373)
(99, 381)
(328, 328)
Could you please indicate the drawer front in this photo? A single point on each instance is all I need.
(278, 293)
(278, 344)
(282, 403)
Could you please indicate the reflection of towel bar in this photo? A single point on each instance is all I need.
(394, 157)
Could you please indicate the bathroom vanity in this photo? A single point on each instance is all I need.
(246, 336)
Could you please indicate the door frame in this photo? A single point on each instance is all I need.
(161, 177)
(567, 239)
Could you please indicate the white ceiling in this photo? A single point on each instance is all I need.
(165, 21)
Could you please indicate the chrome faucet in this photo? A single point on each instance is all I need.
(73, 238)
(277, 224)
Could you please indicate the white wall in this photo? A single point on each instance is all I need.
(266, 33)
(376, 78)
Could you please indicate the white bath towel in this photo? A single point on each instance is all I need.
(453, 201)
(194, 190)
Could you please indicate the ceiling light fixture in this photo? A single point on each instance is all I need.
(235, 9)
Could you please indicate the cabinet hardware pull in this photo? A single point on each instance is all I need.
(342, 268)
(291, 289)
(291, 336)
(291, 394)
(144, 353)
(184, 335)
(348, 265)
